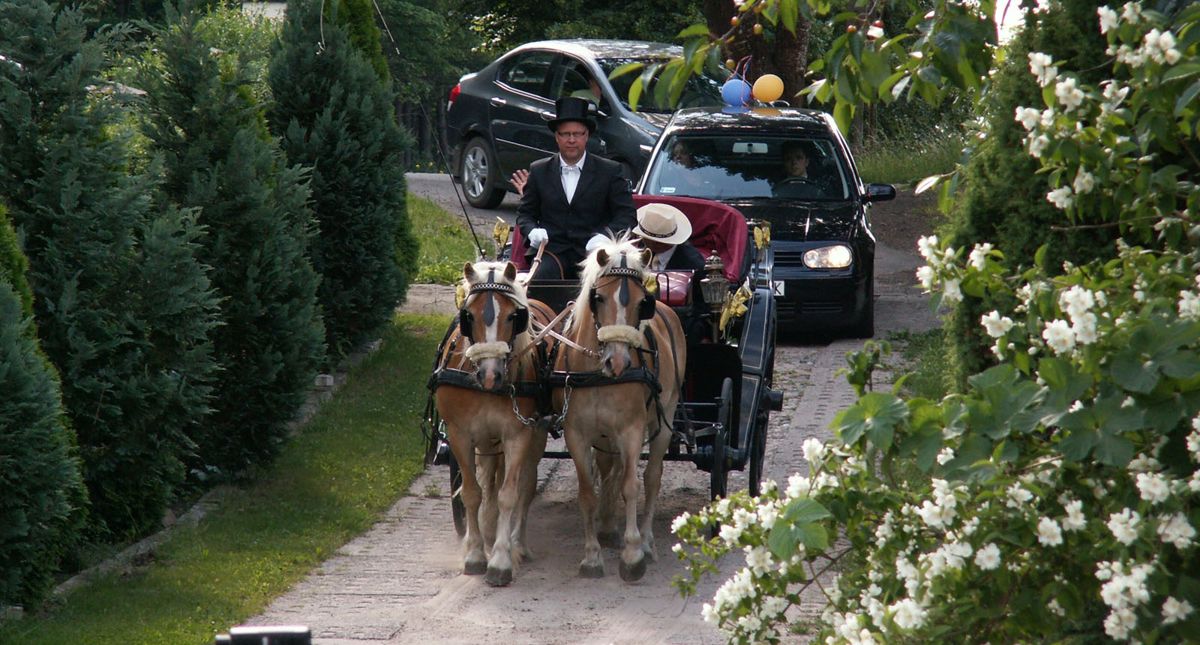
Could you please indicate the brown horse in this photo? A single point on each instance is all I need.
(620, 384)
(486, 384)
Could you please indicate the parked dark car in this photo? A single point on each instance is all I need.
(496, 118)
(821, 239)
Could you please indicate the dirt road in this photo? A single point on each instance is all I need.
(400, 583)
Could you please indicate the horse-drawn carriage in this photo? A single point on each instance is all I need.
(724, 396)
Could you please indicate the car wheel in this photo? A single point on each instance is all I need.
(865, 326)
(480, 175)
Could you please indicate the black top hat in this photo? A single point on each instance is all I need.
(573, 108)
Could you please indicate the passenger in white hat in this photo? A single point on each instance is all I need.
(665, 230)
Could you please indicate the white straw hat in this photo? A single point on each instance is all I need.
(662, 223)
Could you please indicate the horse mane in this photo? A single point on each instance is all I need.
(591, 270)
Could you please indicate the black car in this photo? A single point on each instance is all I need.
(496, 119)
(821, 239)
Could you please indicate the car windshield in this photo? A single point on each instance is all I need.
(702, 90)
(748, 167)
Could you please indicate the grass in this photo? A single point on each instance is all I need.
(445, 242)
(347, 466)
(908, 160)
(927, 355)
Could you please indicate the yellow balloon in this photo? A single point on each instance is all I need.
(768, 87)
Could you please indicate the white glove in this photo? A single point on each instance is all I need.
(596, 241)
(538, 237)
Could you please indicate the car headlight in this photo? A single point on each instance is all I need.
(838, 256)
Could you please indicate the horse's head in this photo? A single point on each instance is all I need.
(494, 317)
(617, 300)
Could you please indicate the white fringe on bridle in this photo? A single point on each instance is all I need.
(631, 336)
(484, 351)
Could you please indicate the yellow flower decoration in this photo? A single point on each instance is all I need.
(650, 281)
(735, 306)
(500, 232)
(460, 294)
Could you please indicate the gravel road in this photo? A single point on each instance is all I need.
(400, 582)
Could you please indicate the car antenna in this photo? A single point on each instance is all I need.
(441, 151)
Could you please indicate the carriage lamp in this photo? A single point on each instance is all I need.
(715, 288)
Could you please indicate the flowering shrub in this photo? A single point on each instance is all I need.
(1056, 498)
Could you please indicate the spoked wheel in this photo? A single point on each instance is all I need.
(457, 509)
(758, 453)
(718, 480)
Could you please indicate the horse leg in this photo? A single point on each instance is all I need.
(580, 448)
(652, 478)
(491, 473)
(609, 468)
(475, 562)
(500, 565)
(529, 475)
(633, 561)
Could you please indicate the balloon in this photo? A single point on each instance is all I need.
(768, 87)
(736, 92)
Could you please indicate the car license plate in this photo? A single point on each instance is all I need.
(777, 287)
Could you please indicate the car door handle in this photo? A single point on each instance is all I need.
(498, 102)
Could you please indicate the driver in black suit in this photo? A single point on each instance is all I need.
(572, 200)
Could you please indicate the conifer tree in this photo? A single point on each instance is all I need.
(123, 307)
(220, 159)
(336, 116)
(1004, 201)
(43, 505)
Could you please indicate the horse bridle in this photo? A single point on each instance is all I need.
(646, 307)
(466, 318)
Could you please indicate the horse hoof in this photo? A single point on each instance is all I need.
(498, 577)
(591, 570)
(475, 568)
(635, 572)
(610, 539)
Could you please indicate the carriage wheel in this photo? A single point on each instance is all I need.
(758, 454)
(457, 508)
(719, 469)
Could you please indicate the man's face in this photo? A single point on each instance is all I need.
(572, 138)
(796, 162)
(656, 247)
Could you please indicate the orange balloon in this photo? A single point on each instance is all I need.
(768, 87)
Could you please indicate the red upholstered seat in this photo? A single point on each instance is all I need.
(715, 227)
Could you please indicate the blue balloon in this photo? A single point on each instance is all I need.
(736, 92)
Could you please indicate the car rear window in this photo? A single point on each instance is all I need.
(702, 90)
(747, 167)
(527, 72)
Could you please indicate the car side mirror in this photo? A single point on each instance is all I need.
(880, 192)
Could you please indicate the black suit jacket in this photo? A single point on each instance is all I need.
(603, 202)
(686, 257)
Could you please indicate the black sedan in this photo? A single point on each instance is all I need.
(792, 168)
(496, 118)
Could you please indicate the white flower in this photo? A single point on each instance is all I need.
(1037, 145)
(1069, 94)
(1076, 301)
(995, 324)
(1049, 532)
(1042, 66)
(814, 450)
(988, 557)
(1084, 329)
(978, 256)
(1193, 441)
(1174, 611)
(767, 514)
(1075, 520)
(1189, 305)
(1114, 94)
(1058, 336)
(1028, 117)
(1124, 525)
(1060, 197)
(945, 455)
(1119, 623)
(1056, 608)
(1108, 19)
(680, 521)
(1153, 487)
(1132, 12)
(907, 614)
(925, 276)
(1084, 181)
(677, 549)
(1176, 530)
(1017, 495)
(951, 291)
(927, 245)
(798, 486)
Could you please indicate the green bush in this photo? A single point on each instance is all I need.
(13, 264)
(335, 115)
(220, 160)
(123, 307)
(1004, 201)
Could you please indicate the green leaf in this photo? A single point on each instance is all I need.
(804, 510)
(698, 29)
(843, 114)
(798, 525)
(1132, 372)
(789, 11)
(1078, 444)
(1187, 98)
(1114, 450)
(625, 69)
(876, 415)
(1181, 71)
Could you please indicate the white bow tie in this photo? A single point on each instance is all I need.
(570, 169)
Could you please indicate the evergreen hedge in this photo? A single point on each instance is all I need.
(221, 160)
(1004, 200)
(123, 307)
(335, 115)
(42, 508)
(13, 264)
